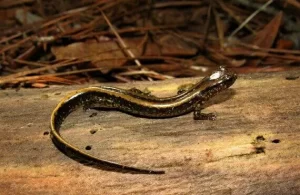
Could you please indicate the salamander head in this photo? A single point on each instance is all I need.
(216, 82)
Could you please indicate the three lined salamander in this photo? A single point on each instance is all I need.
(135, 102)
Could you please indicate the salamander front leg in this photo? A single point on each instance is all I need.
(145, 93)
(184, 88)
(138, 91)
(198, 115)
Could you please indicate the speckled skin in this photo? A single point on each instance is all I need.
(137, 103)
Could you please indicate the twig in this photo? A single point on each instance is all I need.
(232, 14)
(219, 26)
(144, 72)
(122, 43)
(38, 64)
(83, 35)
(38, 70)
(207, 24)
(250, 18)
(271, 50)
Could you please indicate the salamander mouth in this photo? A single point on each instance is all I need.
(230, 80)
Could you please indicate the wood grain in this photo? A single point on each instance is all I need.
(252, 148)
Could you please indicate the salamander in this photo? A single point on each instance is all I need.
(137, 103)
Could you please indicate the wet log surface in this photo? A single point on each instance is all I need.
(252, 148)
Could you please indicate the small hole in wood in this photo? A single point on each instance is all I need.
(93, 131)
(46, 133)
(88, 147)
(276, 141)
(260, 138)
(259, 150)
(291, 77)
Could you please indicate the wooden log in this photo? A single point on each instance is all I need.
(252, 147)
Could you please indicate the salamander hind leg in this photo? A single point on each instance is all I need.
(198, 115)
(86, 108)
